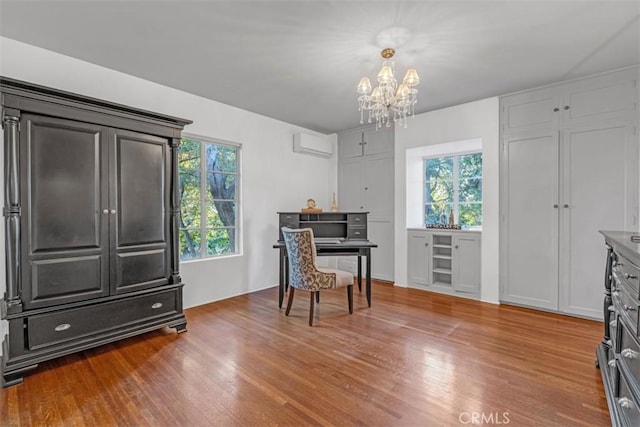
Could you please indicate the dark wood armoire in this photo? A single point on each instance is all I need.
(91, 213)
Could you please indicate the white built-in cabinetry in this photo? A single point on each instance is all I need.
(444, 261)
(365, 183)
(569, 168)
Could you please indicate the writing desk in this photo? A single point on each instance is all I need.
(348, 247)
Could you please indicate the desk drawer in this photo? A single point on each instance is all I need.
(357, 232)
(357, 219)
(290, 220)
(65, 325)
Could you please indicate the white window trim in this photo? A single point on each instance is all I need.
(203, 195)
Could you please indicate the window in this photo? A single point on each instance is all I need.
(453, 184)
(209, 198)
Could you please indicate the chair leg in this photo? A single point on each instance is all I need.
(350, 298)
(286, 313)
(311, 300)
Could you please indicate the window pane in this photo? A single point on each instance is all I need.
(190, 201)
(189, 155)
(437, 213)
(470, 190)
(221, 186)
(221, 241)
(221, 214)
(470, 166)
(221, 158)
(470, 214)
(190, 241)
(439, 181)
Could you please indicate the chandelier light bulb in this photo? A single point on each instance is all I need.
(411, 78)
(364, 87)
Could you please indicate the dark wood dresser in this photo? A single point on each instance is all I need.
(91, 214)
(619, 353)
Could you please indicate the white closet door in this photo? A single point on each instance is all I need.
(600, 192)
(530, 249)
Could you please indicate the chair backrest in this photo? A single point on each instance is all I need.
(302, 256)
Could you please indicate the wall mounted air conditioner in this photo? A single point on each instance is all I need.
(312, 145)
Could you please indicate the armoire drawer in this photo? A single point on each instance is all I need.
(58, 327)
(629, 274)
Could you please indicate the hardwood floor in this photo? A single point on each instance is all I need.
(413, 358)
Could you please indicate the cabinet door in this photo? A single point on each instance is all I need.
(140, 197)
(350, 144)
(529, 241)
(418, 269)
(350, 184)
(600, 192)
(378, 187)
(377, 141)
(529, 111)
(466, 263)
(381, 232)
(64, 230)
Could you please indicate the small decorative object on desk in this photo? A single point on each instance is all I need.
(444, 226)
(334, 205)
(311, 207)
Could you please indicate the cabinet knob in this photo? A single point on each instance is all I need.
(366, 188)
(625, 403)
(555, 206)
(556, 109)
(630, 276)
(361, 207)
(105, 211)
(628, 308)
(612, 363)
(566, 107)
(565, 205)
(456, 246)
(426, 244)
(629, 354)
(113, 211)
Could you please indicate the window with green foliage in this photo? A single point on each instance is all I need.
(453, 184)
(209, 199)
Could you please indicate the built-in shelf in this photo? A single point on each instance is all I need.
(441, 246)
(441, 271)
(442, 256)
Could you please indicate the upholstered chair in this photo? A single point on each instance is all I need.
(304, 272)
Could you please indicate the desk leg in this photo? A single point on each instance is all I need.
(368, 276)
(283, 256)
(359, 273)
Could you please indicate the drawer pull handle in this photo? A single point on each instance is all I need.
(156, 305)
(357, 233)
(625, 403)
(289, 217)
(612, 363)
(357, 219)
(629, 354)
(630, 276)
(62, 327)
(628, 308)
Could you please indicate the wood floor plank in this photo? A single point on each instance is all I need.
(413, 358)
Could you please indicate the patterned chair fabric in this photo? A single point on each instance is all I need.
(304, 272)
(303, 269)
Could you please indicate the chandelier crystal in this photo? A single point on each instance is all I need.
(388, 102)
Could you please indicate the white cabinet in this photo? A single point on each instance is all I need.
(365, 184)
(569, 168)
(444, 261)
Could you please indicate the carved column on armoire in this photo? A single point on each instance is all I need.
(175, 212)
(608, 302)
(11, 211)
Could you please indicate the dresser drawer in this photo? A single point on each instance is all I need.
(627, 405)
(357, 233)
(627, 307)
(289, 220)
(358, 219)
(629, 274)
(58, 327)
(629, 352)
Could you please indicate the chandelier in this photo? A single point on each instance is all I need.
(389, 102)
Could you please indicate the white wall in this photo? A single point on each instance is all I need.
(475, 120)
(274, 178)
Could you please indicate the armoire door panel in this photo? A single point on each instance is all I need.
(53, 279)
(418, 257)
(532, 229)
(141, 175)
(381, 232)
(600, 181)
(378, 141)
(530, 110)
(139, 270)
(64, 184)
(378, 188)
(64, 230)
(466, 264)
(350, 183)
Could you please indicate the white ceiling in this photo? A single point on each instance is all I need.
(300, 61)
